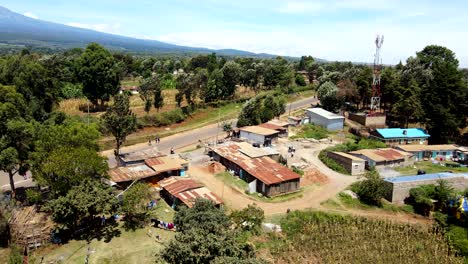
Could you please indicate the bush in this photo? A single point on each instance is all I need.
(166, 118)
(300, 80)
(70, 90)
(332, 164)
(371, 190)
(33, 196)
(312, 131)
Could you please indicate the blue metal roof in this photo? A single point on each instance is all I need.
(423, 177)
(400, 133)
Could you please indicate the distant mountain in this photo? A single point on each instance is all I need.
(19, 30)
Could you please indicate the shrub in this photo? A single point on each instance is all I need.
(332, 164)
(300, 80)
(33, 196)
(312, 131)
(70, 90)
(371, 190)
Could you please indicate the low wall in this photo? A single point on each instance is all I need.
(377, 121)
(400, 190)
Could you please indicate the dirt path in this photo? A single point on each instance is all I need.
(311, 199)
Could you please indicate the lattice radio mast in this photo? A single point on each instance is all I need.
(375, 99)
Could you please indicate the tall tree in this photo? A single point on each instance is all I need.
(97, 70)
(408, 104)
(15, 148)
(445, 113)
(214, 87)
(82, 203)
(120, 120)
(327, 94)
(231, 77)
(148, 88)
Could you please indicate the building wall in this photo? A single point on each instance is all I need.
(354, 167)
(377, 121)
(330, 124)
(267, 190)
(400, 191)
(252, 137)
(397, 142)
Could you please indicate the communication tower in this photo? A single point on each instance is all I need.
(375, 99)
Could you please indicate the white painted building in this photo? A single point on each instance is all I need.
(322, 117)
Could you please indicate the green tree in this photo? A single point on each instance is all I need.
(214, 87)
(443, 98)
(204, 235)
(250, 113)
(327, 94)
(97, 70)
(120, 120)
(15, 148)
(134, 205)
(148, 88)
(66, 167)
(249, 218)
(82, 203)
(408, 105)
(300, 80)
(231, 77)
(278, 73)
(371, 190)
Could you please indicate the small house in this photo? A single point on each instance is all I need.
(294, 120)
(182, 190)
(440, 152)
(384, 158)
(138, 157)
(125, 175)
(400, 136)
(263, 174)
(324, 118)
(352, 164)
(131, 89)
(259, 135)
(283, 131)
(166, 166)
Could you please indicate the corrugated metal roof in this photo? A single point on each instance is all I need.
(384, 154)
(259, 130)
(123, 174)
(166, 163)
(278, 123)
(141, 155)
(189, 197)
(351, 157)
(402, 133)
(272, 126)
(324, 113)
(177, 184)
(263, 168)
(424, 177)
(427, 147)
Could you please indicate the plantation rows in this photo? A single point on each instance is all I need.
(328, 238)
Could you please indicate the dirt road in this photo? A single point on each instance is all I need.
(187, 138)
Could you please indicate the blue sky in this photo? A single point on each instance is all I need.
(333, 29)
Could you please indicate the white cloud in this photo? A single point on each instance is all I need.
(107, 28)
(301, 7)
(31, 15)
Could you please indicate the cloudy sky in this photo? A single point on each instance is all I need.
(333, 29)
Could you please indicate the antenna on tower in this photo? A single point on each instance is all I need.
(375, 99)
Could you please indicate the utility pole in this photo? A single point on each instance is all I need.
(217, 129)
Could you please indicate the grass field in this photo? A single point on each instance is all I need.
(428, 167)
(129, 247)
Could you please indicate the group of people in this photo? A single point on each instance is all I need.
(156, 140)
(291, 150)
(162, 224)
